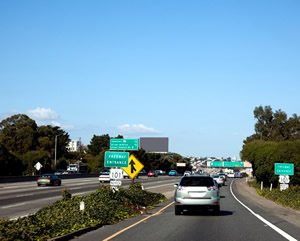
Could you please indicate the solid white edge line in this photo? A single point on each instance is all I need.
(278, 230)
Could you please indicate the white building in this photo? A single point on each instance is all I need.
(74, 146)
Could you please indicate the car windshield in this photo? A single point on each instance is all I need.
(196, 181)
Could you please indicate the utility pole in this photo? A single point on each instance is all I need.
(55, 151)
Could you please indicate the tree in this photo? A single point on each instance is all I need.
(46, 140)
(98, 144)
(18, 133)
(10, 164)
(274, 126)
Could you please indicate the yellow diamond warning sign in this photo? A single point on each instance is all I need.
(134, 167)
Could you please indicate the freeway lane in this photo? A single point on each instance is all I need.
(20, 199)
(235, 222)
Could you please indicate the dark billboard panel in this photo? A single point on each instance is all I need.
(155, 144)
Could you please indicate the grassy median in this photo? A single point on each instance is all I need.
(102, 207)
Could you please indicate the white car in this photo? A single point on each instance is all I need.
(187, 173)
(104, 176)
(219, 179)
(230, 175)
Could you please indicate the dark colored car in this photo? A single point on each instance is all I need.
(59, 172)
(152, 174)
(49, 179)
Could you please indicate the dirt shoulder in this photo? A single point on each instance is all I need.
(288, 214)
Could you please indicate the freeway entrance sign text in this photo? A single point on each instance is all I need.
(116, 159)
(124, 144)
(284, 169)
(134, 167)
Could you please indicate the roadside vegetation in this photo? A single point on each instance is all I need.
(276, 140)
(287, 198)
(23, 143)
(103, 207)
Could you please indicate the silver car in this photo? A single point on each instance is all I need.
(196, 191)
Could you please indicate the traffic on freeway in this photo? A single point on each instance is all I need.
(240, 217)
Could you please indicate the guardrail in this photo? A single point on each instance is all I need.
(34, 178)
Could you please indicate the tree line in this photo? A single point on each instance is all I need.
(23, 143)
(276, 140)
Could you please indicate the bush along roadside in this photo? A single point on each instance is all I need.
(105, 206)
(287, 198)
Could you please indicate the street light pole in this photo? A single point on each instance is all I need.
(55, 151)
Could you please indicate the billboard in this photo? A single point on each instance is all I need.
(155, 144)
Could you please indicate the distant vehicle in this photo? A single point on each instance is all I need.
(143, 173)
(77, 168)
(237, 175)
(152, 174)
(104, 176)
(49, 179)
(219, 179)
(187, 173)
(125, 175)
(230, 175)
(173, 173)
(161, 172)
(223, 175)
(196, 191)
(70, 172)
(59, 172)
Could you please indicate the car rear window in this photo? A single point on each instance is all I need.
(46, 176)
(197, 181)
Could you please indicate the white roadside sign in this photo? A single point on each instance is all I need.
(284, 186)
(116, 174)
(38, 166)
(284, 179)
(116, 183)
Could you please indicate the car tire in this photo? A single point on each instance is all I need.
(177, 210)
(39, 184)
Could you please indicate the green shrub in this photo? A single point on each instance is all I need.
(104, 206)
(287, 198)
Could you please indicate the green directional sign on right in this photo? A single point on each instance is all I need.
(284, 169)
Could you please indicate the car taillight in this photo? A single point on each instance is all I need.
(48, 179)
(39, 179)
(212, 188)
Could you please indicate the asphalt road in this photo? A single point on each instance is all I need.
(21, 199)
(235, 222)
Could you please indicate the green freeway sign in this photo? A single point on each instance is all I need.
(116, 159)
(124, 144)
(216, 164)
(233, 164)
(284, 169)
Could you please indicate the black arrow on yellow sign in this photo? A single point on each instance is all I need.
(132, 163)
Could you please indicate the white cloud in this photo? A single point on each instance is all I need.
(136, 129)
(64, 127)
(43, 114)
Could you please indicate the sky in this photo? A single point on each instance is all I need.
(192, 71)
